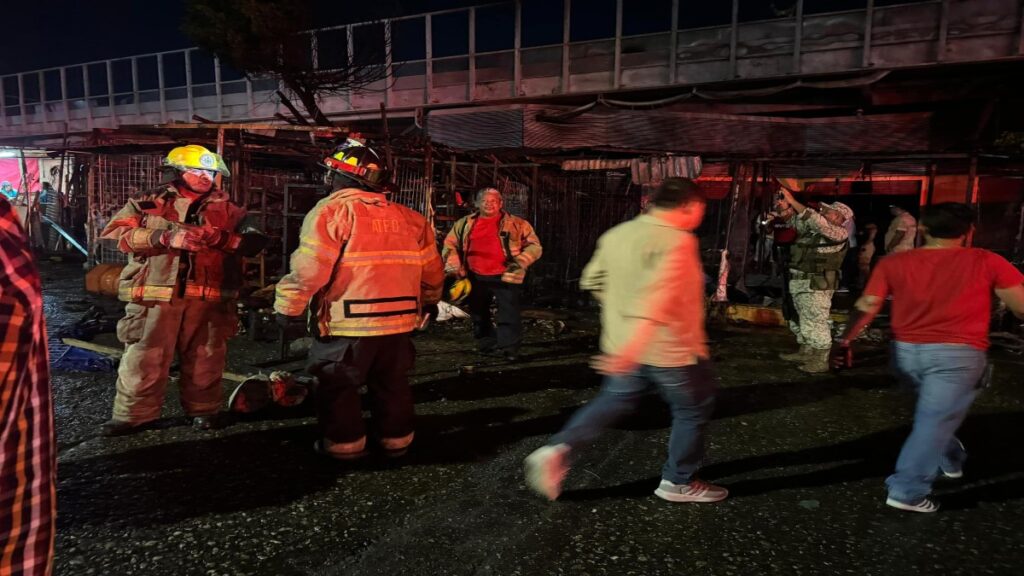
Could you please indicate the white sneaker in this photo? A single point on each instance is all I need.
(695, 491)
(925, 505)
(546, 468)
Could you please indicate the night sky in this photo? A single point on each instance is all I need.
(45, 33)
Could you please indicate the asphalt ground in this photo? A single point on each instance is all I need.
(804, 457)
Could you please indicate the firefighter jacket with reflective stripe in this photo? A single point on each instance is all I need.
(820, 246)
(364, 267)
(518, 240)
(157, 273)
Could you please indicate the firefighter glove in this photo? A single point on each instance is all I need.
(221, 239)
(181, 238)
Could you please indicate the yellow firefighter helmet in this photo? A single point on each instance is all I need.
(194, 156)
(457, 290)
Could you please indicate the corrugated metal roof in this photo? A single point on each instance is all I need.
(479, 129)
(672, 131)
(730, 135)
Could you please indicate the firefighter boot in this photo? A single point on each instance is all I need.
(114, 427)
(817, 361)
(800, 355)
(210, 421)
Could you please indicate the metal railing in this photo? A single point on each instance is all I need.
(176, 85)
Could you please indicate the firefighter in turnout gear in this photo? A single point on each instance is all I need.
(185, 242)
(815, 261)
(493, 249)
(368, 272)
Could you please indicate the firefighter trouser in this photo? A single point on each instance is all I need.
(342, 366)
(813, 308)
(152, 332)
(509, 334)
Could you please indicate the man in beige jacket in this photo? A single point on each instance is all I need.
(647, 274)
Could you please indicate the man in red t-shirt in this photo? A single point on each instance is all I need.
(493, 249)
(941, 308)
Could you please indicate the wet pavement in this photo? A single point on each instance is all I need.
(804, 457)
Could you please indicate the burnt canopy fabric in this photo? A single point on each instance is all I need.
(682, 132)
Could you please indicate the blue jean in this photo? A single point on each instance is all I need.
(946, 378)
(690, 394)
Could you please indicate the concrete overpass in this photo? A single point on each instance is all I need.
(175, 86)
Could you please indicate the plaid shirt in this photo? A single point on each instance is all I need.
(27, 453)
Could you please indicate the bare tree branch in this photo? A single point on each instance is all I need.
(264, 38)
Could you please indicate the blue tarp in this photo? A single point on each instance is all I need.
(76, 359)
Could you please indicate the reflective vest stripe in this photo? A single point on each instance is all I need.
(381, 307)
(166, 293)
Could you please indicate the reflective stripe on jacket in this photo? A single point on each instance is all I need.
(157, 273)
(364, 266)
(518, 240)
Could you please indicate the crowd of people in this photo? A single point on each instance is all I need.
(368, 272)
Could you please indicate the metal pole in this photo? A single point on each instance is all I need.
(60, 185)
(534, 195)
(220, 152)
(388, 157)
(450, 204)
(21, 99)
(471, 94)
(617, 80)
(23, 187)
(429, 59)
(971, 174)
(428, 175)
(42, 97)
(931, 183)
(160, 85)
(88, 100)
(110, 94)
(940, 50)
(63, 93)
(869, 25)
(798, 29)
(673, 48)
(734, 37)
(218, 88)
(135, 86)
(188, 82)
(517, 73)
(566, 20)
(971, 195)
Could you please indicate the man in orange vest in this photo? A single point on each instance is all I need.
(369, 272)
(186, 242)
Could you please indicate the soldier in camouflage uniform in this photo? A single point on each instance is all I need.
(815, 261)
